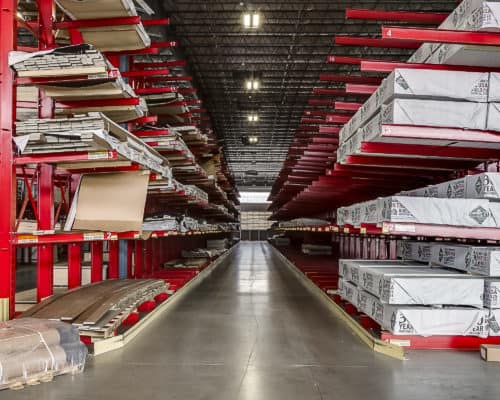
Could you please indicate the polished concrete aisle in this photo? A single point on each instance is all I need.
(251, 332)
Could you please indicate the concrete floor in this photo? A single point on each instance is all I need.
(252, 332)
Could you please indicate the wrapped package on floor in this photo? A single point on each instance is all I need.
(454, 212)
(432, 287)
(428, 321)
(413, 250)
(491, 293)
(483, 186)
(350, 269)
(31, 349)
(456, 114)
(348, 292)
(457, 256)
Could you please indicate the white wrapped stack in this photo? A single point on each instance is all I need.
(35, 349)
(414, 250)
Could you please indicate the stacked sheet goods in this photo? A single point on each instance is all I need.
(98, 309)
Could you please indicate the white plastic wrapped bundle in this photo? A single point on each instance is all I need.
(35, 349)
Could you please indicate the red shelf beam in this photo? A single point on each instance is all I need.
(361, 89)
(156, 90)
(368, 80)
(400, 16)
(148, 72)
(375, 42)
(389, 66)
(347, 106)
(421, 35)
(162, 64)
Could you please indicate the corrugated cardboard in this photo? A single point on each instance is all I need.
(110, 202)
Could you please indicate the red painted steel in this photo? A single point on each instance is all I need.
(155, 90)
(375, 42)
(146, 72)
(139, 259)
(7, 169)
(94, 23)
(401, 16)
(96, 256)
(113, 266)
(389, 66)
(360, 89)
(347, 106)
(368, 80)
(130, 259)
(161, 64)
(421, 35)
(74, 265)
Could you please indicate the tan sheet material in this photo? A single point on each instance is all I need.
(111, 202)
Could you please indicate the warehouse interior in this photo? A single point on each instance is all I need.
(249, 200)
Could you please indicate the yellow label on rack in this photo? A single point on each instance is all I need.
(336, 229)
(27, 239)
(346, 230)
(89, 236)
(362, 231)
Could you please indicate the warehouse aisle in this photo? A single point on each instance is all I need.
(252, 332)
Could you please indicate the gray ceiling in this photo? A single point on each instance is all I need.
(287, 53)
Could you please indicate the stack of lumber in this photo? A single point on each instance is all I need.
(108, 38)
(79, 60)
(412, 298)
(117, 112)
(93, 133)
(170, 107)
(316, 249)
(173, 148)
(188, 263)
(98, 309)
(34, 350)
(165, 223)
(462, 202)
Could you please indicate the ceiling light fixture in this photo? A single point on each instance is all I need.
(251, 20)
(253, 118)
(252, 84)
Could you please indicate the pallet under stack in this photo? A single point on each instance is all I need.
(411, 199)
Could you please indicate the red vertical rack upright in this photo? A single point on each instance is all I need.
(7, 171)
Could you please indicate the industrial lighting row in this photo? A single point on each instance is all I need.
(252, 21)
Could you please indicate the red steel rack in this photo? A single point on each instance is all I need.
(146, 252)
